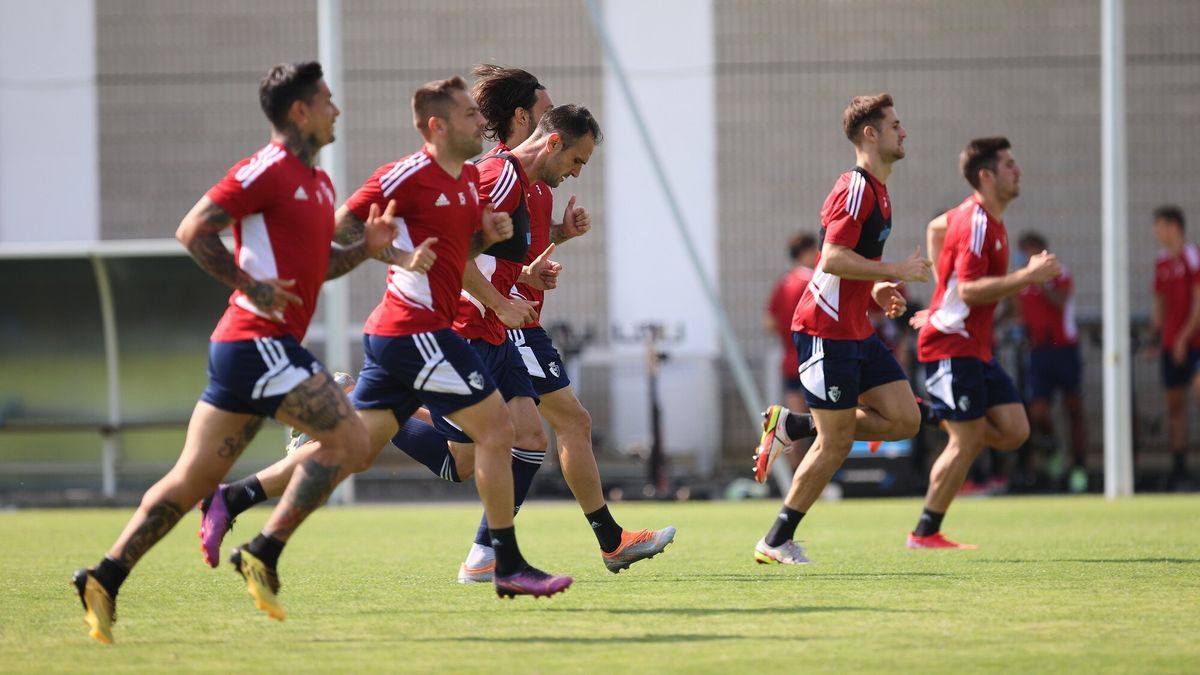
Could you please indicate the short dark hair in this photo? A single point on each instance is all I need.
(285, 84)
(1032, 240)
(1170, 212)
(801, 243)
(500, 92)
(435, 99)
(981, 153)
(571, 122)
(864, 110)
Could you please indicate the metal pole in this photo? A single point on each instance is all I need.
(333, 160)
(751, 397)
(1118, 437)
(111, 435)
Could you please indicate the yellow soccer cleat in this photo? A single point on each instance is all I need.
(261, 582)
(100, 609)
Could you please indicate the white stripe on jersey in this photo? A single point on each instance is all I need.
(854, 193)
(400, 166)
(504, 184)
(262, 161)
(395, 181)
(978, 230)
(826, 291)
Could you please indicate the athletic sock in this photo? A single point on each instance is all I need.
(930, 523)
(608, 532)
(266, 549)
(243, 494)
(111, 574)
(428, 446)
(784, 527)
(508, 556)
(800, 425)
(525, 464)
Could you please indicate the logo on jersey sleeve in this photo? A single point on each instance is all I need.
(442, 201)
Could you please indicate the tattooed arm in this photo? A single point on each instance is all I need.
(355, 240)
(200, 234)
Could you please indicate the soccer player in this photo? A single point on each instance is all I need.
(412, 357)
(1048, 312)
(1175, 316)
(777, 317)
(550, 144)
(970, 392)
(281, 208)
(851, 381)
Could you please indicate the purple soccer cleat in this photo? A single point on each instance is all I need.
(214, 523)
(531, 581)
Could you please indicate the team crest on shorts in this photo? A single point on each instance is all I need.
(964, 402)
(554, 369)
(475, 380)
(834, 394)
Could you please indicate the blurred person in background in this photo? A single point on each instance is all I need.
(1047, 311)
(777, 320)
(1175, 316)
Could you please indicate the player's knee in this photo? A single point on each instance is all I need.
(1015, 435)
(497, 432)
(532, 438)
(355, 445)
(908, 423)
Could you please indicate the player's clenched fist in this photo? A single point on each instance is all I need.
(496, 226)
(1043, 267)
(422, 257)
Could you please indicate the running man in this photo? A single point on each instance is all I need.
(852, 383)
(281, 208)
(970, 392)
(777, 319)
(550, 144)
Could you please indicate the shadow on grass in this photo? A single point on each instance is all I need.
(716, 611)
(800, 575)
(557, 639)
(1097, 561)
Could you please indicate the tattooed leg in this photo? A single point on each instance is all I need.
(214, 442)
(319, 408)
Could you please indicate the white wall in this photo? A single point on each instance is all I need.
(667, 50)
(49, 161)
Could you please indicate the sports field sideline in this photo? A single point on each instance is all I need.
(1058, 584)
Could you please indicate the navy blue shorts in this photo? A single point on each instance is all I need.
(253, 376)
(438, 370)
(792, 384)
(507, 370)
(1052, 369)
(1175, 376)
(962, 389)
(542, 360)
(834, 373)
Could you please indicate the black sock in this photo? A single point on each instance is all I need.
(426, 444)
(608, 532)
(930, 523)
(800, 425)
(784, 527)
(1179, 462)
(243, 494)
(266, 549)
(111, 574)
(525, 464)
(508, 556)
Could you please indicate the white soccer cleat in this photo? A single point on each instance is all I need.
(479, 567)
(787, 553)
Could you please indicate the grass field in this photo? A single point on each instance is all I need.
(1059, 584)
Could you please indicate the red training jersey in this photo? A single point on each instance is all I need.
(283, 225)
(1175, 279)
(429, 203)
(502, 182)
(541, 205)
(781, 305)
(1046, 324)
(976, 246)
(857, 214)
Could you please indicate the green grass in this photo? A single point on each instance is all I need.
(1059, 584)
